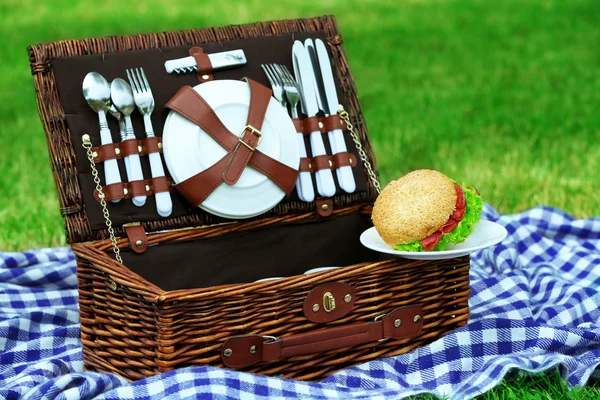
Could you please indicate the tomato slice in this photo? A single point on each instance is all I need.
(449, 226)
(431, 241)
(460, 197)
(458, 214)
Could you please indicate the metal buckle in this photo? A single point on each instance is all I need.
(254, 131)
(377, 318)
(271, 339)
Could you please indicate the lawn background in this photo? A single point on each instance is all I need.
(503, 95)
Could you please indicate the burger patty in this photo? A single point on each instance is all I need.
(457, 215)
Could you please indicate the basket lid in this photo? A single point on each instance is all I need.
(58, 69)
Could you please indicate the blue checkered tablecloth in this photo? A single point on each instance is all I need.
(535, 305)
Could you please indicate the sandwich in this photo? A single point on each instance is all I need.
(426, 211)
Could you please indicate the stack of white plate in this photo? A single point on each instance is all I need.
(189, 150)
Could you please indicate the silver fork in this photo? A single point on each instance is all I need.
(306, 191)
(290, 86)
(144, 100)
(276, 84)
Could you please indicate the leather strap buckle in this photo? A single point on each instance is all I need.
(377, 318)
(270, 339)
(253, 130)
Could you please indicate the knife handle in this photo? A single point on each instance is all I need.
(344, 174)
(111, 168)
(306, 191)
(164, 204)
(325, 184)
(135, 165)
(123, 133)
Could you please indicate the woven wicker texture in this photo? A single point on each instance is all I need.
(135, 329)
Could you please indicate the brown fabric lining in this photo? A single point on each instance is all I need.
(70, 71)
(276, 251)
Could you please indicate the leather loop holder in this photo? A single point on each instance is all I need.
(127, 190)
(328, 162)
(138, 241)
(243, 351)
(127, 148)
(203, 62)
(317, 124)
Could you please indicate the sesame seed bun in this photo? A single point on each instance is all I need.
(414, 206)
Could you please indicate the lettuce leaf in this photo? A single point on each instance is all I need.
(461, 232)
(413, 246)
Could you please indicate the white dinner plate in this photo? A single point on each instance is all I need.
(485, 234)
(189, 150)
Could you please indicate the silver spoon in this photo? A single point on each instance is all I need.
(122, 98)
(96, 91)
(119, 117)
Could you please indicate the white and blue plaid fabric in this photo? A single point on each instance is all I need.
(535, 305)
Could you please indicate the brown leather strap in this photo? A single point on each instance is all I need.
(127, 190)
(332, 122)
(192, 106)
(198, 187)
(343, 159)
(138, 241)
(203, 62)
(310, 125)
(113, 191)
(243, 351)
(321, 162)
(127, 148)
(298, 125)
(159, 185)
(313, 124)
(335, 161)
(106, 152)
(324, 207)
(138, 188)
(151, 145)
(251, 136)
(306, 165)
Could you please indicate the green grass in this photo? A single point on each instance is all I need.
(503, 95)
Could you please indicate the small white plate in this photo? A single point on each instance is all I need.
(268, 279)
(189, 150)
(485, 234)
(320, 269)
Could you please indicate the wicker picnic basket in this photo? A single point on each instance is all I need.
(190, 297)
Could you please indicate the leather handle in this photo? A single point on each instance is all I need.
(243, 351)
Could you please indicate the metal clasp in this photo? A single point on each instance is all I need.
(270, 339)
(328, 302)
(254, 131)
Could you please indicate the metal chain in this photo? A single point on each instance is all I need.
(87, 145)
(363, 155)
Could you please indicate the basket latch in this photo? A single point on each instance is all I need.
(138, 241)
(329, 301)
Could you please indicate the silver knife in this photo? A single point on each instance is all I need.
(303, 69)
(330, 106)
(319, 86)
